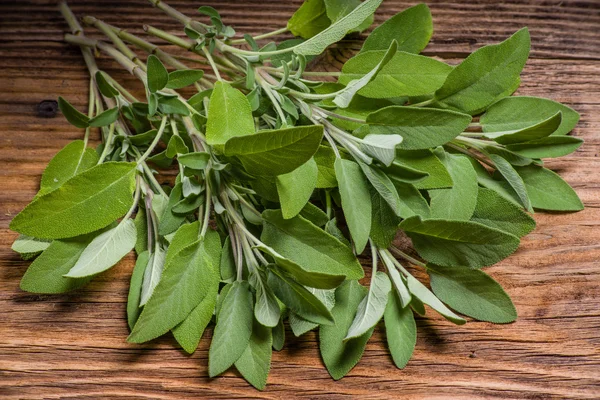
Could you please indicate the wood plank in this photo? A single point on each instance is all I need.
(73, 346)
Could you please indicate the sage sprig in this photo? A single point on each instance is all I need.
(284, 177)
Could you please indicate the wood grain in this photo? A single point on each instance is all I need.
(73, 346)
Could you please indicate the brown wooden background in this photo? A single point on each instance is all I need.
(73, 346)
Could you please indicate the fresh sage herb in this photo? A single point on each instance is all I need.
(284, 178)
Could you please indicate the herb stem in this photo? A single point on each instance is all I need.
(408, 258)
(159, 134)
(136, 198)
(207, 207)
(423, 103)
(212, 62)
(107, 143)
(262, 36)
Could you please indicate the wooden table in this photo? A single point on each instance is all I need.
(73, 346)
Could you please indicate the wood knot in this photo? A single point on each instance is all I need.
(47, 108)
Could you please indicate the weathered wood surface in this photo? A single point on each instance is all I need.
(73, 346)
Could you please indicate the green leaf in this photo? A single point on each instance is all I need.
(255, 362)
(549, 147)
(383, 185)
(72, 115)
(189, 332)
(400, 331)
(310, 19)
(298, 324)
(169, 221)
(325, 159)
(384, 221)
(195, 160)
(233, 330)
(371, 308)
(184, 77)
(513, 179)
(278, 336)
(457, 243)
(276, 152)
(421, 128)
(296, 187)
(338, 9)
(548, 191)
(426, 162)
(184, 283)
(485, 76)
(105, 250)
(105, 87)
(340, 355)
(85, 203)
(519, 112)
(176, 146)
(534, 132)
(319, 42)
(105, 118)
(472, 292)
(495, 211)
(357, 83)
(29, 245)
(356, 201)
(457, 202)
(314, 214)
(172, 105)
(141, 228)
(501, 187)
(311, 248)
(158, 76)
(74, 158)
(299, 299)
(399, 283)
(420, 291)
(266, 308)
(381, 147)
(412, 201)
(411, 28)
(135, 289)
(45, 274)
(229, 115)
(405, 75)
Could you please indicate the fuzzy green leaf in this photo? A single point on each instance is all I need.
(548, 191)
(400, 331)
(296, 187)
(457, 202)
(158, 76)
(255, 362)
(229, 115)
(495, 211)
(310, 19)
(135, 289)
(184, 77)
(72, 115)
(371, 308)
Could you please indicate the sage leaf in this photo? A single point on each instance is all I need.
(337, 9)
(278, 334)
(514, 180)
(400, 331)
(233, 330)
(424, 161)
(325, 159)
(172, 105)
(412, 201)
(519, 112)
(404, 75)
(458, 243)
(85, 203)
(399, 284)
(383, 185)
(548, 147)
(319, 42)
(310, 19)
(189, 332)
(176, 146)
(299, 299)
(135, 289)
(323, 257)
(411, 28)
(548, 191)
(105, 118)
(152, 273)
(340, 355)
(104, 86)
(75, 118)
(457, 202)
(68, 162)
(276, 152)
(266, 308)
(538, 131)
(345, 96)
(381, 147)
(105, 250)
(371, 308)
(185, 281)
(229, 115)
(421, 128)
(29, 245)
(473, 293)
(184, 77)
(500, 186)
(384, 221)
(495, 211)
(314, 214)
(158, 76)
(45, 274)
(295, 188)
(255, 362)
(420, 291)
(485, 76)
(356, 201)
(195, 160)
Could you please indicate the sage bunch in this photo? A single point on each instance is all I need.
(285, 176)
